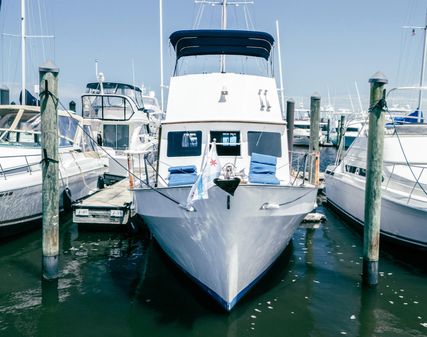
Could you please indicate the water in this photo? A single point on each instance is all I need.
(118, 284)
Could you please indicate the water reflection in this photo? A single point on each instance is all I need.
(117, 284)
(48, 323)
(367, 314)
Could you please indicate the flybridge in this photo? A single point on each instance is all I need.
(222, 42)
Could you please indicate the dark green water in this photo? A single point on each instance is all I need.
(117, 284)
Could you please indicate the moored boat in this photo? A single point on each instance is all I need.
(404, 197)
(227, 236)
(120, 122)
(80, 165)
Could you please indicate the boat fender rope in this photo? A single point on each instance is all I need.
(187, 208)
(46, 159)
(109, 155)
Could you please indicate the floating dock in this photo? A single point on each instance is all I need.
(109, 206)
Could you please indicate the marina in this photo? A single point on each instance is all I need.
(313, 289)
(235, 204)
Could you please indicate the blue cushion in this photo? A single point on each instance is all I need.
(263, 158)
(178, 179)
(263, 179)
(259, 168)
(262, 169)
(182, 169)
(182, 175)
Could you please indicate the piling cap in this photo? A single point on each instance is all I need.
(379, 78)
(316, 95)
(290, 100)
(49, 67)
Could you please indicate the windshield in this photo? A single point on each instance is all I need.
(231, 64)
(150, 101)
(117, 89)
(15, 129)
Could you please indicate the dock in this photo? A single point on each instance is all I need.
(108, 206)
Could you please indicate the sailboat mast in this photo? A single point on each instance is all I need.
(420, 96)
(161, 56)
(23, 52)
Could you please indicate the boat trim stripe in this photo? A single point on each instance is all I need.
(416, 243)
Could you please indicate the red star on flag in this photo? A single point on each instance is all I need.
(213, 162)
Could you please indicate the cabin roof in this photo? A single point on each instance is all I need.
(221, 42)
(112, 85)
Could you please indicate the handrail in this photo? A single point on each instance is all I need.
(401, 182)
(102, 96)
(27, 165)
(34, 133)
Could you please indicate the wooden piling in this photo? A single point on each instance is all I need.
(50, 168)
(341, 134)
(290, 117)
(314, 147)
(374, 180)
(328, 132)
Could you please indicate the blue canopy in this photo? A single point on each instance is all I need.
(412, 118)
(221, 42)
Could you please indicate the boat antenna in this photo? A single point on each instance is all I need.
(282, 94)
(133, 81)
(100, 78)
(358, 97)
(420, 95)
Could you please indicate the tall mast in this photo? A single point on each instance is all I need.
(420, 95)
(161, 56)
(23, 52)
(422, 71)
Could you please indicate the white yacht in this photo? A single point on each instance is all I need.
(404, 186)
(80, 166)
(120, 122)
(302, 128)
(226, 242)
(302, 133)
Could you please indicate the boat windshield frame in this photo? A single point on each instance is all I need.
(115, 88)
(90, 112)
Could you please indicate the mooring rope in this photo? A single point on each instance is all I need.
(106, 152)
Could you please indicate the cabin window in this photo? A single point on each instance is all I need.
(356, 170)
(88, 144)
(268, 143)
(227, 142)
(116, 136)
(352, 129)
(143, 132)
(184, 143)
(67, 130)
(302, 126)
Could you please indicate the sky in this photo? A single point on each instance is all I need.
(328, 47)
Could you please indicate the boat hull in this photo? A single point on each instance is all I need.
(21, 197)
(399, 221)
(228, 242)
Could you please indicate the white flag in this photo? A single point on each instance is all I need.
(211, 169)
